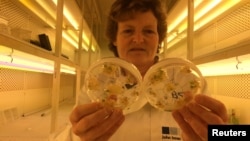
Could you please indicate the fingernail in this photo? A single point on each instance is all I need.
(109, 110)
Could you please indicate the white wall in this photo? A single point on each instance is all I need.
(31, 91)
(241, 106)
(234, 92)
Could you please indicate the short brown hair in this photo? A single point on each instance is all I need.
(125, 9)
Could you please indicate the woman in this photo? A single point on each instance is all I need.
(135, 30)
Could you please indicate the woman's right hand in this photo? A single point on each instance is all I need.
(94, 122)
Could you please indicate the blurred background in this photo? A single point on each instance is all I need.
(46, 46)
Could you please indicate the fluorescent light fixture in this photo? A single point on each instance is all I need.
(85, 38)
(204, 12)
(18, 60)
(69, 16)
(85, 47)
(14, 59)
(48, 7)
(223, 6)
(180, 18)
(72, 38)
(21, 64)
(73, 35)
(45, 9)
(231, 66)
(69, 39)
(68, 69)
(36, 9)
(71, 19)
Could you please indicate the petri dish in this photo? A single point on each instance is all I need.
(113, 82)
(171, 83)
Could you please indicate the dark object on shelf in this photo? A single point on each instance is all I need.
(44, 41)
(64, 56)
(34, 42)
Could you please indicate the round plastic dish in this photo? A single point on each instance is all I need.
(171, 83)
(113, 82)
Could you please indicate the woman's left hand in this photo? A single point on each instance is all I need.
(195, 117)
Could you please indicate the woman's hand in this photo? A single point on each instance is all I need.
(93, 122)
(194, 118)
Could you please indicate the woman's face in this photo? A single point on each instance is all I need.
(137, 39)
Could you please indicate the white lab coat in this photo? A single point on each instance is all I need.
(142, 124)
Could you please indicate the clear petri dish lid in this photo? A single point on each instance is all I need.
(113, 82)
(171, 83)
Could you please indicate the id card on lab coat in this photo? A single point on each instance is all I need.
(164, 127)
